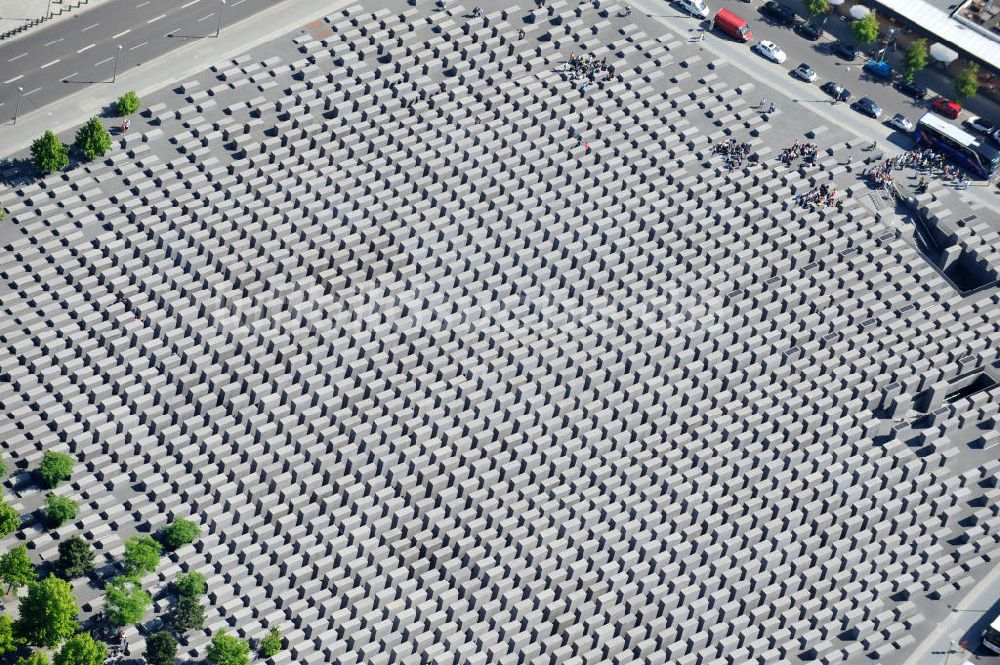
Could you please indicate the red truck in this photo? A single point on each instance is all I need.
(732, 25)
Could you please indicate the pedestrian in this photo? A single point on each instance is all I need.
(762, 102)
(772, 108)
(520, 34)
(850, 159)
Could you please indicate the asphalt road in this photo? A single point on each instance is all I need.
(53, 61)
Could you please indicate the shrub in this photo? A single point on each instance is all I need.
(967, 82)
(55, 468)
(81, 649)
(10, 521)
(180, 532)
(16, 569)
(190, 585)
(93, 139)
(49, 154)
(9, 641)
(188, 614)
(124, 601)
(915, 58)
(271, 643)
(36, 658)
(228, 650)
(128, 103)
(142, 555)
(59, 509)
(76, 557)
(817, 7)
(48, 612)
(161, 649)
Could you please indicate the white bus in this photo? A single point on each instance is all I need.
(991, 636)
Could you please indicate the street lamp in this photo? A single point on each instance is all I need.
(118, 57)
(222, 8)
(17, 106)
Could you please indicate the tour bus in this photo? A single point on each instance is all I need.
(991, 636)
(959, 146)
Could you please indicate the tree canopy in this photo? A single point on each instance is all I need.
(180, 532)
(188, 614)
(49, 155)
(76, 557)
(190, 585)
(34, 658)
(142, 555)
(16, 569)
(865, 29)
(93, 139)
(271, 644)
(967, 82)
(817, 7)
(915, 58)
(81, 649)
(161, 649)
(228, 650)
(10, 521)
(9, 640)
(125, 601)
(128, 103)
(59, 509)
(55, 467)
(48, 612)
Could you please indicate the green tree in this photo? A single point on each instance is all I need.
(35, 658)
(59, 509)
(93, 139)
(9, 641)
(76, 557)
(142, 555)
(817, 7)
(161, 649)
(124, 601)
(915, 58)
(228, 650)
(190, 585)
(16, 569)
(865, 29)
(81, 649)
(48, 612)
(271, 643)
(188, 614)
(967, 82)
(48, 153)
(128, 103)
(180, 532)
(55, 468)
(10, 521)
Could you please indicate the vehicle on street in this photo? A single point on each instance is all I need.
(946, 107)
(778, 12)
(844, 51)
(771, 51)
(732, 25)
(837, 91)
(868, 107)
(995, 137)
(991, 636)
(900, 122)
(696, 8)
(879, 68)
(980, 125)
(810, 31)
(805, 73)
(960, 147)
(911, 89)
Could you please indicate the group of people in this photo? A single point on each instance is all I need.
(880, 175)
(736, 153)
(117, 647)
(822, 196)
(587, 69)
(807, 151)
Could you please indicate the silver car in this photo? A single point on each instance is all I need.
(900, 122)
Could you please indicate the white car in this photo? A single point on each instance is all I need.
(696, 8)
(900, 122)
(771, 51)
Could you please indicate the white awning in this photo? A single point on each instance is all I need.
(859, 11)
(835, 3)
(942, 53)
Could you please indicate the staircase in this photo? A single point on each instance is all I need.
(59, 7)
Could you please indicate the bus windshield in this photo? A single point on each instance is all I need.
(958, 146)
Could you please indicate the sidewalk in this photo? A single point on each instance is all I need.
(69, 113)
(31, 14)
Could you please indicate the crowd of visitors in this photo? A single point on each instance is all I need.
(881, 174)
(736, 153)
(807, 151)
(587, 69)
(821, 196)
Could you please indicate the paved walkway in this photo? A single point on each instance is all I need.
(15, 13)
(66, 115)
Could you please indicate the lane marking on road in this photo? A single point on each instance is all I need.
(188, 4)
(123, 32)
(142, 4)
(49, 64)
(88, 46)
(89, 27)
(238, 2)
(19, 76)
(97, 64)
(68, 76)
(154, 20)
(18, 56)
(205, 18)
(54, 41)
(31, 91)
(137, 46)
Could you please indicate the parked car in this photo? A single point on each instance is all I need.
(900, 122)
(805, 73)
(980, 125)
(844, 51)
(879, 68)
(868, 107)
(911, 89)
(735, 26)
(946, 107)
(835, 90)
(810, 31)
(778, 12)
(696, 8)
(771, 51)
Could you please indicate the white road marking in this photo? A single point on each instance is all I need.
(31, 91)
(18, 56)
(54, 41)
(188, 4)
(96, 64)
(123, 32)
(19, 76)
(69, 76)
(205, 18)
(238, 2)
(89, 46)
(89, 27)
(137, 46)
(49, 64)
(154, 20)
(142, 4)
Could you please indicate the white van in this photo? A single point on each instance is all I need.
(696, 8)
(991, 636)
